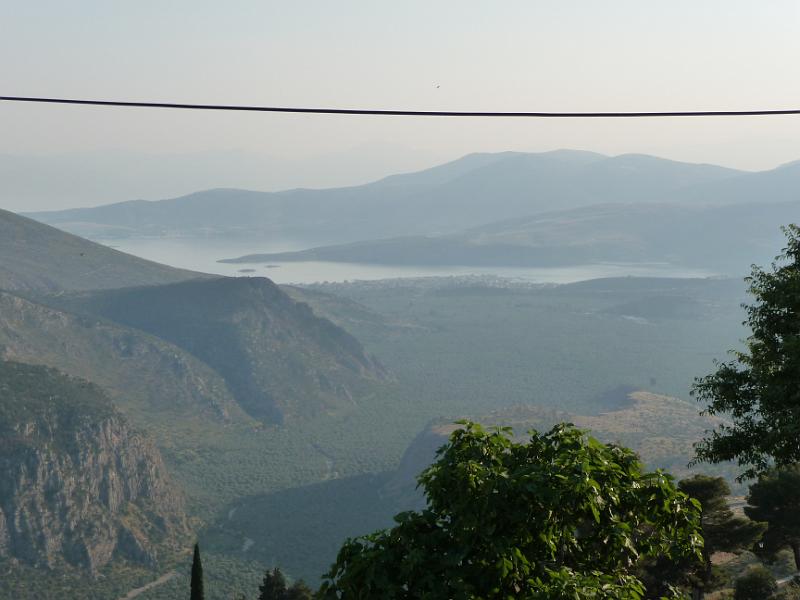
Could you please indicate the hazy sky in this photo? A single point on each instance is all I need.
(542, 55)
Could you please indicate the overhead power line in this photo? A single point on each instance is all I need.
(408, 113)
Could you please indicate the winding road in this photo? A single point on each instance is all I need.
(141, 590)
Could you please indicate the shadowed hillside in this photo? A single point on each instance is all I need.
(144, 374)
(278, 358)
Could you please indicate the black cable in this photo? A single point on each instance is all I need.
(409, 113)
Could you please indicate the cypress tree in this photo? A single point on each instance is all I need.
(274, 586)
(197, 575)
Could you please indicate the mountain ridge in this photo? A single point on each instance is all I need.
(467, 192)
(38, 257)
(255, 336)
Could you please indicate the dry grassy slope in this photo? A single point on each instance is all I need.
(37, 257)
(660, 428)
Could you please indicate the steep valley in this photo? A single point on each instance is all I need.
(209, 368)
(282, 414)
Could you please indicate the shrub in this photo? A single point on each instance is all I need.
(756, 584)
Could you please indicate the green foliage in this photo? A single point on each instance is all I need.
(562, 516)
(774, 499)
(299, 591)
(789, 592)
(757, 584)
(197, 576)
(760, 389)
(722, 530)
(274, 588)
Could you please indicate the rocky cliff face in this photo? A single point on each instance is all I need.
(78, 486)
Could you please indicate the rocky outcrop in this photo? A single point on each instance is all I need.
(78, 486)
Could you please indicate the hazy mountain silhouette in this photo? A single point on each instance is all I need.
(470, 191)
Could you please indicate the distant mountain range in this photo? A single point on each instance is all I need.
(725, 238)
(468, 192)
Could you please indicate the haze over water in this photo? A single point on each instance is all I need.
(202, 255)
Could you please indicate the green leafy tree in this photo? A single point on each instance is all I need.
(561, 516)
(299, 591)
(197, 592)
(273, 587)
(756, 584)
(667, 577)
(722, 530)
(760, 389)
(775, 499)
